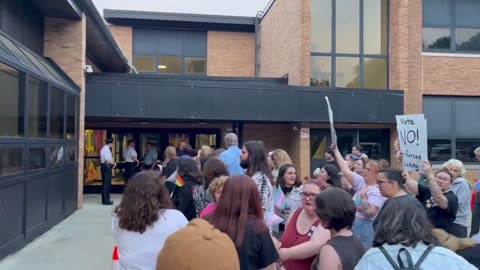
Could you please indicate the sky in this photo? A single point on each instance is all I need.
(214, 7)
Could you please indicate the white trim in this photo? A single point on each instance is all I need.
(460, 55)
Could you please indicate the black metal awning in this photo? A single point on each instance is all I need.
(17, 55)
(180, 98)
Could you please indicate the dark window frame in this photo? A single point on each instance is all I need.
(452, 137)
(182, 55)
(361, 55)
(452, 27)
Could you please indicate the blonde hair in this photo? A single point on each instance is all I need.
(170, 153)
(451, 242)
(456, 163)
(216, 184)
(282, 157)
(206, 151)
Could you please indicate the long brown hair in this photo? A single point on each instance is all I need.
(239, 208)
(145, 198)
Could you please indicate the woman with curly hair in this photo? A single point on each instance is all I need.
(143, 221)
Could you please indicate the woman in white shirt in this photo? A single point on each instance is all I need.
(143, 221)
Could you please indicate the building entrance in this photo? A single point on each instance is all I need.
(159, 139)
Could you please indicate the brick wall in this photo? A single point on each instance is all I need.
(285, 41)
(65, 43)
(451, 76)
(405, 52)
(231, 54)
(124, 37)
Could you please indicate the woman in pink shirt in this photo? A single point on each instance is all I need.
(215, 189)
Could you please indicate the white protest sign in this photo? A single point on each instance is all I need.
(412, 136)
(330, 119)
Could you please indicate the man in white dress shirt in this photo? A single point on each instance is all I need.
(131, 159)
(107, 165)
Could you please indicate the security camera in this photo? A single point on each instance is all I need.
(88, 69)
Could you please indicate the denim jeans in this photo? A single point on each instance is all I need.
(363, 229)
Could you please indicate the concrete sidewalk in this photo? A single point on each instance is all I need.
(84, 241)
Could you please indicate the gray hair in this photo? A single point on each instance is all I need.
(476, 151)
(456, 163)
(230, 139)
(403, 223)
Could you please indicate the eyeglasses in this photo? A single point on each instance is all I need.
(381, 182)
(308, 195)
(444, 179)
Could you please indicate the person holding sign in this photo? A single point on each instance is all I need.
(440, 203)
(367, 197)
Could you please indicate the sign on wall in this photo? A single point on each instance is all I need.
(412, 137)
(305, 133)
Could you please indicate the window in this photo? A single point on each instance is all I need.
(12, 102)
(11, 159)
(37, 158)
(349, 43)
(72, 153)
(71, 119)
(37, 108)
(56, 155)
(453, 131)
(170, 51)
(57, 103)
(451, 26)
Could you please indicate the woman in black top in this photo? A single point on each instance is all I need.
(239, 214)
(440, 203)
(336, 211)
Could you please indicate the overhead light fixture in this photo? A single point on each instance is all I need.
(162, 66)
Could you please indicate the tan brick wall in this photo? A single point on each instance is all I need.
(65, 42)
(451, 76)
(231, 54)
(285, 41)
(405, 52)
(124, 37)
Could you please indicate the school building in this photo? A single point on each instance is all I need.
(69, 81)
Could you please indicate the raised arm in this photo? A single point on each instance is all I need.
(411, 184)
(347, 173)
(437, 194)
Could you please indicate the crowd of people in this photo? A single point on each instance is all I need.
(208, 210)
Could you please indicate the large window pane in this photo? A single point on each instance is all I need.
(321, 28)
(195, 65)
(464, 150)
(71, 153)
(37, 108)
(144, 63)
(436, 39)
(467, 13)
(347, 72)
(37, 158)
(467, 40)
(170, 64)
(439, 150)
(11, 102)
(375, 76)
(348, 26)
(57, 103)
(375, 143)
(71, 119)
(375, 26)
(321, 71)
(437, 13)
(11, 159)
(56, 155)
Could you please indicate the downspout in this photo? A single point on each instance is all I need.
(258, 17)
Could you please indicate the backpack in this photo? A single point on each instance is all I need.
(409, 265)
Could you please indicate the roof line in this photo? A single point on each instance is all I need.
(92, 12)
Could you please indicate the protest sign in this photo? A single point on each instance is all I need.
(412, 136)
(330, 119)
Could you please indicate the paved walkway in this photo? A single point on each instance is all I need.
(83, 241)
